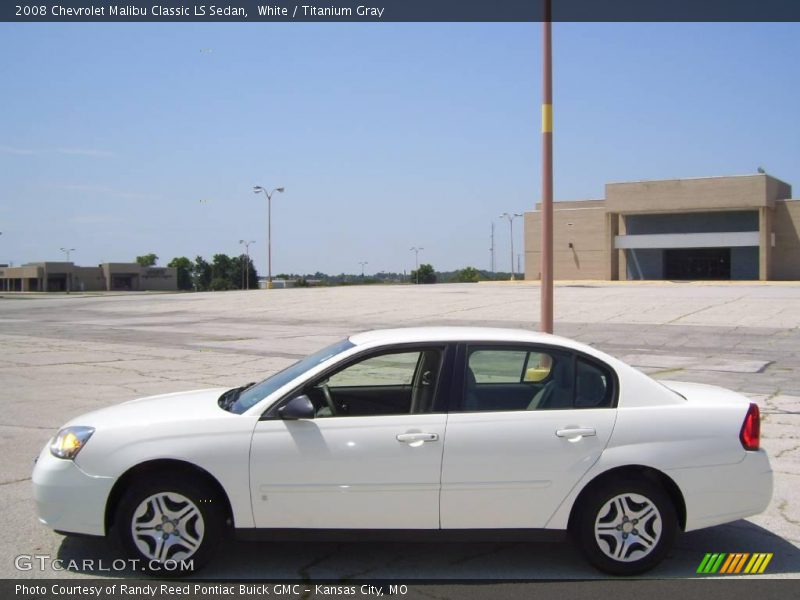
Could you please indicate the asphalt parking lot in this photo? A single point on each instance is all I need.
(65, 355)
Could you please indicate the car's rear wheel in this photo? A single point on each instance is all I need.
(626, 527)
(171, 525)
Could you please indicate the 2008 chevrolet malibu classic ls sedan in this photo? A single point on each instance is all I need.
(420, 431)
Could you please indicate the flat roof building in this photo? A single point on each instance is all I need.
(739, 227)
(63, 276)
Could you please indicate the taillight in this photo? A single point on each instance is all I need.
(750, 435)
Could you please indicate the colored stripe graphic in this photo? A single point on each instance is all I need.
(728, 562)
(759, 562)
(711, 562)
(733, 563)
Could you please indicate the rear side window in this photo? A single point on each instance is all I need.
(530, 378)
(594, 387)
(504, 379)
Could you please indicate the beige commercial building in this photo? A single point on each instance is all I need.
(61, 276)
(741, 227)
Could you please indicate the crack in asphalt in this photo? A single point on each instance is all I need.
(2, 483)
(699, 310)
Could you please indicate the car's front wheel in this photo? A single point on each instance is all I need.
(626, 527)
(171, 525)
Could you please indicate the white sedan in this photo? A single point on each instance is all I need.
(426, 432)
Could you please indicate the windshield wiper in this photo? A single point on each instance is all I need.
(229, 398)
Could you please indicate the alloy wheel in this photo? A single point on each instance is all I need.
(167, 526)
(628, 527)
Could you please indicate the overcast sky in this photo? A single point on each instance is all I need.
(124, 139)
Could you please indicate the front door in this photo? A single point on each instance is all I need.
(371, 458)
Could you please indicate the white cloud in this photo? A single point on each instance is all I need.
(104, 190)
(18, 151)
(85, 152)
(93, 219)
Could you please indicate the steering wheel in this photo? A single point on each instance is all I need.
(326, 391)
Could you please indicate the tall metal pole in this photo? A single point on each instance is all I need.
(269, 240)
(511, 217)
(511, 232)
(246, 272)
(69, 275)
(258, 189)
(546, 320)
(362, 263)
(492, 247)
(416, 250)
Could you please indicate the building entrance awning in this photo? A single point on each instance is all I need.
(733, 239)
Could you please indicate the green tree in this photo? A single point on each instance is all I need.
(184, 267)
(147, 260)
(201, 274)
(425, 274)
(224, 268)
(468, 275)
(219, 284)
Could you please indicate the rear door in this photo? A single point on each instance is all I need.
(526, 425)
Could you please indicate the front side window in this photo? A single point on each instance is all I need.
(386, 369)
(389, 383)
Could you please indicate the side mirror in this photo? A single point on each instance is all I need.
(300, 407)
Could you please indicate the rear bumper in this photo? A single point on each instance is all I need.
(67, 499)
(725, 493)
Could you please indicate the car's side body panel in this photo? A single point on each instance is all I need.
(347, 472)
(202, 435)
(511, 469)
(696, 444)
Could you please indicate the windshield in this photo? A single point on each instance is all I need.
(254, 394)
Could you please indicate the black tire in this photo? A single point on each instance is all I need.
(179, 521)
(632, 542)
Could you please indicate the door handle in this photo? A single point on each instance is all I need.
(576, 432)
(416, 439)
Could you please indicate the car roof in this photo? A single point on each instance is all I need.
(461, 334)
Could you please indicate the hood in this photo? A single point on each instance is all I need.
(178, 406)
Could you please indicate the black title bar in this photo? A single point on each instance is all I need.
(399, 10)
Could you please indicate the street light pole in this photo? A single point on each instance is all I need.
(416, 250)
(491, 249)
(69, 275)
(247, 264)
(269, 194)
(511, 217)
(362, 263)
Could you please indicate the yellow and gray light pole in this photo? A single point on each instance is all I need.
(546, 320)
(256, 190)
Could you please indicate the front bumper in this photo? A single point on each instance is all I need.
(68, 499)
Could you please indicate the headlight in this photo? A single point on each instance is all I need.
(69, 441)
